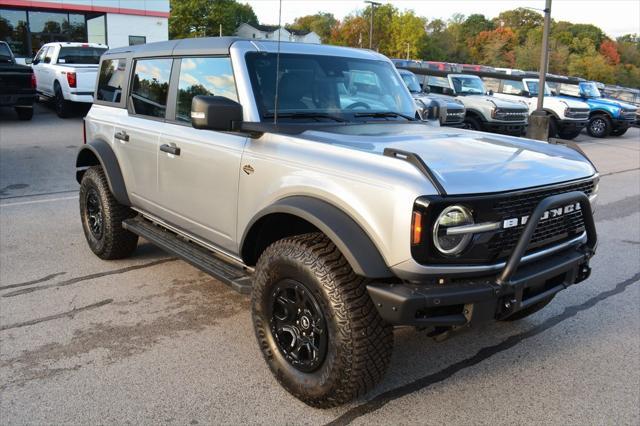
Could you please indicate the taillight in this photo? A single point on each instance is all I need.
(84, 132)
(33, 81)
(71, 79)
(416, 228)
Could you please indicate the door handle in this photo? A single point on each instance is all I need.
(122, 135)
(171, 149)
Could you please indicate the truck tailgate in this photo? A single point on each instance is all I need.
(85, 78)
(15, 79)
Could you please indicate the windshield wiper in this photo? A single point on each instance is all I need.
(384, 114)
(305, 115)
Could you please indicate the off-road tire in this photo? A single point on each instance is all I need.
(24, 113)
(63, 107)
(114, 242)
(359, 341)
(619, 132)
(569, 134)
(599, 126)
(472, 123)
(529, 311)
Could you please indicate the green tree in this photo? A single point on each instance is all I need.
(521, 21)
(200, 18)
(475, 24)
(407, 35)
(320, 23)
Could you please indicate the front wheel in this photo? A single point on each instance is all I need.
(102, 217)
(318, 330)
(619, 132)
(472, 123)
(599, 126)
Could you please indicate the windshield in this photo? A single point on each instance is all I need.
(467, 84)
(5, 53)
(533, 87)
(411, 81)
(80, 55)
(327, 87)
(590, 90)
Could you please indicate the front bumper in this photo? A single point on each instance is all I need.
(620, 124)
(449, 301)
(505, 128)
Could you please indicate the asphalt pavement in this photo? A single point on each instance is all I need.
(152, 340)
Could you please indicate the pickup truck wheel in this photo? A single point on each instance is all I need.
(24, 113)
(62, 106)
(529, 311)
(472, 123)
(316, 326)
(599, 126)
(102, 218)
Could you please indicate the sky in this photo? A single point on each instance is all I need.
(614, 17)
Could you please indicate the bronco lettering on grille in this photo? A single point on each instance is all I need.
(549, 214)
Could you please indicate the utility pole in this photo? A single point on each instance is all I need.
(408, 44)
(220, 30)
(373, 8)
(539, 120)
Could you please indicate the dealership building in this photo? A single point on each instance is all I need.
(26, 25)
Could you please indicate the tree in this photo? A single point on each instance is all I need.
(320, 23)
(494, 47)
(609, 50)
(350, 32)
(200, 18)
(521, 21)
(407, 33)
(475, 24)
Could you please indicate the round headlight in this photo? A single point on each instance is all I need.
(450, 217)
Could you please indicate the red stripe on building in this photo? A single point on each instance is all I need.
(80, 7)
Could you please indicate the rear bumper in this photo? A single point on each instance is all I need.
(447, 301)
(18, 100)
(84, 97)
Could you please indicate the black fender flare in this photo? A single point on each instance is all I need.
(348, 236)
(475, 113)
(551, 113)
(99, 152)
(596, 112)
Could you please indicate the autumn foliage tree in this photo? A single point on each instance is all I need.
(609, 50)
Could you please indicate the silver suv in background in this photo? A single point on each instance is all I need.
(299, 173)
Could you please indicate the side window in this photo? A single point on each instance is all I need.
(438, 84)
(510, 87)
(111, 79)
(40, 55)
(48, 55)
(150, 86)
(569, 89)
(203, 76)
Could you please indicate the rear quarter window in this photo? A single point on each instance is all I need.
(80, 55)
(111, 80)
(150, 87)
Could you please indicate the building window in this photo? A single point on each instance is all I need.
(13, 30)
(133, 40)
(111, 79)
(151, 86)
(203, 76)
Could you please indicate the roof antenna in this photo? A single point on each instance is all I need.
(275, 102)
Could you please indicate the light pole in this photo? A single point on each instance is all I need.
(373, 8)
(539, 120)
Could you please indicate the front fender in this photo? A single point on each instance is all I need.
(99, 152)
(352, 241)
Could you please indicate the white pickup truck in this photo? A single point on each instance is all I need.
(66, 73)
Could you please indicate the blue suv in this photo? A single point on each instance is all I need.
(606, 116)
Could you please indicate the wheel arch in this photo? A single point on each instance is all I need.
(300, 214)
(596, 112)
(99, 153)
(471, 112)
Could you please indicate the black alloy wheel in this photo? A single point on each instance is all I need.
(298, 325)
(94, 214)
(599, 126)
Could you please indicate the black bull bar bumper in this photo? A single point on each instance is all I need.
(516, 287)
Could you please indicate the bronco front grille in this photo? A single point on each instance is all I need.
(548, 231)
(629, 114)
(455, 116)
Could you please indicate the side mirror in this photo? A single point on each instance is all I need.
(47, 60)
(490, 92)
(525, 93)
(35, 61)
(28, 61)
(447, 91)
(426, 90)
(215, 113)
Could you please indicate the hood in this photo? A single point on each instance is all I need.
(464, 161)
(479, 100)
(571, 103)
(449, 102)
(605, 102)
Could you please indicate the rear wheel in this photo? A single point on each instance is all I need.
(472, 123)
(102, 218)
(24, 113)
(599, 126)
(62, 106)
(529, 311)
(318, 330)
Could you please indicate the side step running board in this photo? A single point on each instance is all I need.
(234, 276)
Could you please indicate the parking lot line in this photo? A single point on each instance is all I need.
(48, 200)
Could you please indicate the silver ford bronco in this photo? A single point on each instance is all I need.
(300, 174)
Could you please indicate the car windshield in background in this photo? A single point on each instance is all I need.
(590, 90)
(534, 87)
(80, 55)
(322, 88)
(5, 53)
(467, 84)
(411, 81)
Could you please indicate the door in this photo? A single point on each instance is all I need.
(40, 71)
(138, 134)
(198, 170)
